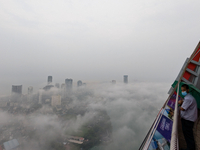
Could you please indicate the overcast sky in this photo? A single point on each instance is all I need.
(95, 40)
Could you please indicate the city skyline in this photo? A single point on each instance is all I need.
(50, 83)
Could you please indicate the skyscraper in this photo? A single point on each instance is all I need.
(125, 78)
(113, 81)
(62, 85)
(30, 90)
(49, 80)
(17, 89)
(49, 83)
(68, 83)
(57, 85)
(40, 96)
(79, 83)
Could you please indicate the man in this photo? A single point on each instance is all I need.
(188, 116)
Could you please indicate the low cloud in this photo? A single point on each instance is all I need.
(132, 109)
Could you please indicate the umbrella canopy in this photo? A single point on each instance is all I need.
(195, 92)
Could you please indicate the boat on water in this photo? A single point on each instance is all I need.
(166, 132)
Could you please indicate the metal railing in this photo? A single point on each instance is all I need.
(174, 136)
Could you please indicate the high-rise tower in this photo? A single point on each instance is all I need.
(57, 85)
(30, 90)
(17, 89)
(125, 78)
(68, 83)
(79, 83)
(49, 80)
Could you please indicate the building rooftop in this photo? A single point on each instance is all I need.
(9, 145)
(75, 141)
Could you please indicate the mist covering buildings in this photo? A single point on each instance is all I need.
(131, 108)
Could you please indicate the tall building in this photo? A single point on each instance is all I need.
(56, 100)
(62, 85)
(113, 81)
(125, 78)
(68, 83)
(40, 96)
(12, 144)
(57, 85)
(30, 90)
(49, 80)
(79, 83)
(49, 83)
(17, 89)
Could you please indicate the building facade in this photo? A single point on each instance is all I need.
(55, 100)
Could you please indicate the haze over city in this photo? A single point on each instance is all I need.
(95, 42)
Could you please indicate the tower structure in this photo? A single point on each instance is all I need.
(40, 96)
(57, 85)
(113, 81)
(49, 79)
(126, 79)
(30, 90)
(63, 86)
(79, 83)
(68, 83)
(17, 89)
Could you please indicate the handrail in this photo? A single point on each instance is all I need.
(174, 136)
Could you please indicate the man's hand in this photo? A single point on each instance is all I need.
(180, 102)
(182, 109)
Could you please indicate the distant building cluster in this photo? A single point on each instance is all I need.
(54, 99)
(17, 89)
(125, 79)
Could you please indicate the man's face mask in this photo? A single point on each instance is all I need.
(184, 93)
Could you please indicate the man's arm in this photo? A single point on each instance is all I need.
(180, 102)
(186, 104)
(182, 109)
